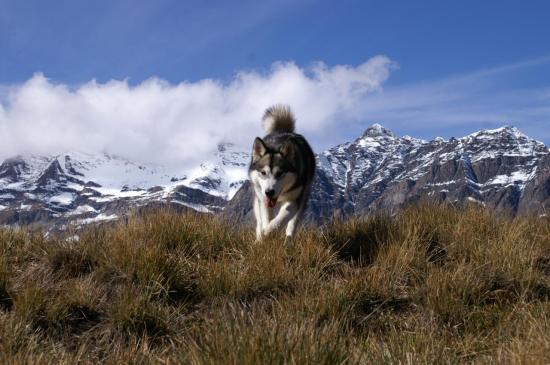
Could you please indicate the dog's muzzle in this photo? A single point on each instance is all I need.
(271, 199)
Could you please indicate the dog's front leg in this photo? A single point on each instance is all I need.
(291, 226)
(263, 216)
(266, 213)
(288, 210)
(258, 216)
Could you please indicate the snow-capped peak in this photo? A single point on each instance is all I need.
(506, 130)
(377, 130)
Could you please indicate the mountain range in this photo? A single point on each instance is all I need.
(82, 188)
(502, 169)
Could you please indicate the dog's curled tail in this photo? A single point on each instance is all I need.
(278, 118)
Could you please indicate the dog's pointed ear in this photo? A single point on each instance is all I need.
(287, 150)
(258, 149)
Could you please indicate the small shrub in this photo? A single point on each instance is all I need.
(358, 240)
(134, 315)
(71, 261)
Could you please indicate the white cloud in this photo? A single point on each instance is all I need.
(159, 121)
(179, 123)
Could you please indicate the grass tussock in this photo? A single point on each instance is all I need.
(429, 285)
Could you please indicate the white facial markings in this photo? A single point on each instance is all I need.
(266, 179)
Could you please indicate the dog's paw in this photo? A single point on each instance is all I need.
(267, 230)
(259, 235)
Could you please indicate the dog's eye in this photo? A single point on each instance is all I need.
(279, 174)
(263, 173)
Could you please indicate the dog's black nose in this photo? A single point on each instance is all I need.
(269, 193)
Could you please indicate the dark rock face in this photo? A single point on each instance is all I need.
(501, 169)
(536, 195)
(10, 170)
(240, 207)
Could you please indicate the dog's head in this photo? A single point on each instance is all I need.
(272, 170)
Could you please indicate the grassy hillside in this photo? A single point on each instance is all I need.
(431, 285)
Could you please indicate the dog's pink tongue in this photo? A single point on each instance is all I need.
(271, 202)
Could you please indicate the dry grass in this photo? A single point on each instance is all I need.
(430, 285)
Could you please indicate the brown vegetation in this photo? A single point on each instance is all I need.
(430, 285)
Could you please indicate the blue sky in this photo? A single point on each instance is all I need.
(483, 63)
(75, 41)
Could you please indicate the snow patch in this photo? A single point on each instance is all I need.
(515, 178)
(99, 218)
(198, 207)
(442, 183)
(82, 209)
(474, 200)
(62, 199)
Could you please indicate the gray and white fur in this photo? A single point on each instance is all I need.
(281, 172)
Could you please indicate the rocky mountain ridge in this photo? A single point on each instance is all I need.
(502, 169)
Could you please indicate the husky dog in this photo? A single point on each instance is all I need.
(281, 172)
